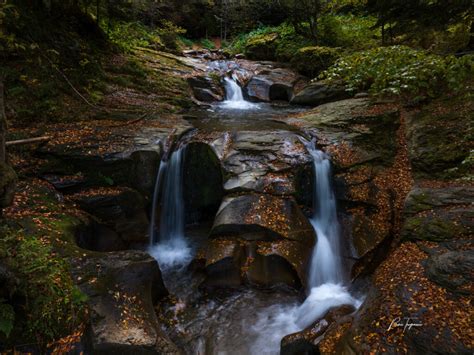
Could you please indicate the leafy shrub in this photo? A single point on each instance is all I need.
(46, 303)
(262, 47)
(129, 35)
(348, 31)
(313, 60)
(170, 33)
(207, 43)
(400, 70)
(270, 43)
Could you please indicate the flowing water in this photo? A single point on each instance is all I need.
(246, 321)
(235, 98)
(326, 279)
(168, 245)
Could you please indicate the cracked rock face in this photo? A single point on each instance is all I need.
(268, 162)
(259, 225)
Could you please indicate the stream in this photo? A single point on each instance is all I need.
(244, 320)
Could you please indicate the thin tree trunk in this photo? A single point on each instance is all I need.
(3, 125)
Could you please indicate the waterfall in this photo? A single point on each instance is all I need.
(234, 96)
(326, 281)
(169, 247)
(326, 264)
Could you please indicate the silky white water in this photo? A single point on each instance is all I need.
(326, 279)
(168, 245)
(234, 96)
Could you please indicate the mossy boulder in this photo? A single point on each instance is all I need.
(8, 180)
(439, 140)
(253, 234)
(311, 61)
(319, 92)
(262, 47)
(438, 214)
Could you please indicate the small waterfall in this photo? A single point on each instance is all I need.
(169, 246)
(234, 96)
(326, 279)
(326, 264)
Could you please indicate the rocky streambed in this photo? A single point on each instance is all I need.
(247, 184)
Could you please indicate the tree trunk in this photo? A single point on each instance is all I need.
(3, 125)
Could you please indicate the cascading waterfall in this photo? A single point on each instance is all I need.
(326, 264)
(326, 279)
(234, 96)
(168, 245)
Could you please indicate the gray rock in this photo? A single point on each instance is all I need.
(452, 270)
(318, 93)
(262, 217)
(438, 214)
(122, 318)
(206, 88)
(273, 84)
(122, 210)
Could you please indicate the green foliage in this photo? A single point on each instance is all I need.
(313, 60)
(349, 31)
(170, 33)
(278, 43)
(400, 70)
(53, 306)
(205, 43)
(129, 35)
(282, 43)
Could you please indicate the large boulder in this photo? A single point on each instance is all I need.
(438, 139)
(253, 234)
(123, 210)
(452, 270)
(319, 92)
(122, 289)
(438, 214)
(273, 83)
(262, 217)
(275, 162)
(206, 88)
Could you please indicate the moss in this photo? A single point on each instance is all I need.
(46, 303)
(431, 228)
(439, 139)
(262, 47)
(313, 60)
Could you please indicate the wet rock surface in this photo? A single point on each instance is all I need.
(439, 214)
(269, 84)
(306, 341)
(317, 93)
(272, 162)
(206, 88)
(253, 234)
(361, 137)
(127, 285)
(123, 210)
